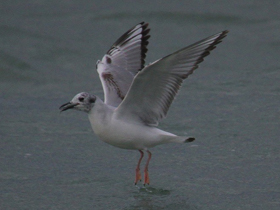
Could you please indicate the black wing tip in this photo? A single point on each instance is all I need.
(207, 51)
(124, 38)
(213, 45)
(144, 43)
(222, 35)
(217, 40)
(144, 40)
(225, 32)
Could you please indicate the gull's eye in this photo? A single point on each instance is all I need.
(81, 99)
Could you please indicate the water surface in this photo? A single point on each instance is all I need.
(49, 160)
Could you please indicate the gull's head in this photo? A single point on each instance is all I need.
(82, 102)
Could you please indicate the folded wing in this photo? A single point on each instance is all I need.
(154, 88)
(122, 62)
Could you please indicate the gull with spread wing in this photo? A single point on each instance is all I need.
(136, 96)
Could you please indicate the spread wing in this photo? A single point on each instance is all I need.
(155, 87)
(122, 62)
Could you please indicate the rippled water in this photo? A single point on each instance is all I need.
(230, 104)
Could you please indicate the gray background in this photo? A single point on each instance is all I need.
(49, 160)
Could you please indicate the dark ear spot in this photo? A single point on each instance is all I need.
(108, 60)
(92, 99)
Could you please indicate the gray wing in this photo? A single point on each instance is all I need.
(155, 87)
(122, 62)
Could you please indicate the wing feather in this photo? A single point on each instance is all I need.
(122, 62)
(154, 88)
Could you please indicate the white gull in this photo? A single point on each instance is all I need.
(137, 97)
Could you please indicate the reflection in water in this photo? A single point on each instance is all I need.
(153, 191)
(158, 198)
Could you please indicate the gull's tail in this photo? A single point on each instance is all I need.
(181, 139)
(189, 139)
(167, 137)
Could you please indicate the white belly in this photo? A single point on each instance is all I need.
(123, 134)
(130, 136)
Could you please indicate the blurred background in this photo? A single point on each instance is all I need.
(48, 160)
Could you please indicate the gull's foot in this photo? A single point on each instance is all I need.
(143, 188)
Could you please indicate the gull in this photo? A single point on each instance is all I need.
(137, 97)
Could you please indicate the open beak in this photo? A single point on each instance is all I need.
(67, 105)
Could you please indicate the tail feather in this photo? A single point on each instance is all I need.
(189, 139)
(182, 139)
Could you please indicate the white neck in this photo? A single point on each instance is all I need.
(100, 116)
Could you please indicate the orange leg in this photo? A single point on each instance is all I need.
(146, 174)
(138, 174)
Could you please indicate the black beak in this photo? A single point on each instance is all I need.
(66, 106)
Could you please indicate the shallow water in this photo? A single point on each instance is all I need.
(49, 160)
